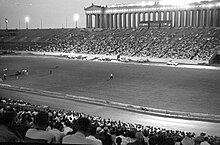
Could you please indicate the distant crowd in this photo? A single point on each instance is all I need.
(28, 123)
(180, 43)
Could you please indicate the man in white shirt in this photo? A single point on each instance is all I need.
(92, 136)
(82, 127)
(57, 132)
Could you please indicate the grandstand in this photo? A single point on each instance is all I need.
(196, 44)
(126, 33)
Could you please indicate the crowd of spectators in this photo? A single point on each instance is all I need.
(174, 43)
(27, 123)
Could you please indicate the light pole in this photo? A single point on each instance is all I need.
(76, 18)
(26, 21)
(6, 24)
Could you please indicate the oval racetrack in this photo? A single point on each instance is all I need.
(178, 89)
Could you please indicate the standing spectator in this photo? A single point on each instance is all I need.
(82, 127)
(57, 132)
(7, 121)
(4, 76)
(38, 133)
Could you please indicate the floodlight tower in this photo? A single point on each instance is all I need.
(27, 19)
(76, 18)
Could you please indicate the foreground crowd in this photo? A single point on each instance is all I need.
(28, 123)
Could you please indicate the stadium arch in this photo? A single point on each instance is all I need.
(123, 16)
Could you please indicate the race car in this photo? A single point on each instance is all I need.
(171, 62)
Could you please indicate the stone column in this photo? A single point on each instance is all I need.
(134, 20)
(194, 18)
(129, 20)
(87, 21)
(138, 19)
(124, 20)
(214, 18)
(182, 19)
(175, 19)
(90, 20)
(115, 21)
(120, 21)
(208, 18)
(143, 17)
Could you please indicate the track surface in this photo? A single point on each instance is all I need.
(178, 89)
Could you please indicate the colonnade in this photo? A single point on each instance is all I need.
(179, 18)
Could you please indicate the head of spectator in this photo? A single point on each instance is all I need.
(118, 140)
(59, 126)
(83, 125)
(139, 137)
(92, 130)
(41, 120)
(7, 126)
(8, 119)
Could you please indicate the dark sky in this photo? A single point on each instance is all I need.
(55, 13)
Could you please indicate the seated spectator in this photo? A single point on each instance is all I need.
(24, 125)
(57, 132)
(200, 138)
(139, 139)
(107, 138)
(118, 141)
(92, 132)
(205, 142)
(38, 133)
(82, 127)
(7, 121)
(188, 140)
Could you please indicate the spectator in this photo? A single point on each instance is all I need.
(38, 132)
(7, 122)
(24, 125)
(139, 139)
(107, 139)
(188, 140)
(57, 132)
(118, 140)
(82, 127)
(92, 136)
(205, 142)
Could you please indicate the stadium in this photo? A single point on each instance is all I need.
(135, 68)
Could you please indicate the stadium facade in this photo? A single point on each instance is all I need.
(142, 15)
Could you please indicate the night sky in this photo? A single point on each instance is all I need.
(55, 13)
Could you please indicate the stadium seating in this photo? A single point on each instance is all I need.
(174, 43)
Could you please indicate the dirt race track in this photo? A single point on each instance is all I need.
(178, 89)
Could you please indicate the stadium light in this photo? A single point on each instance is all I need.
(26, 19)
(76, 18)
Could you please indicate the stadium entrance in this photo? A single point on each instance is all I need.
(215, 59)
